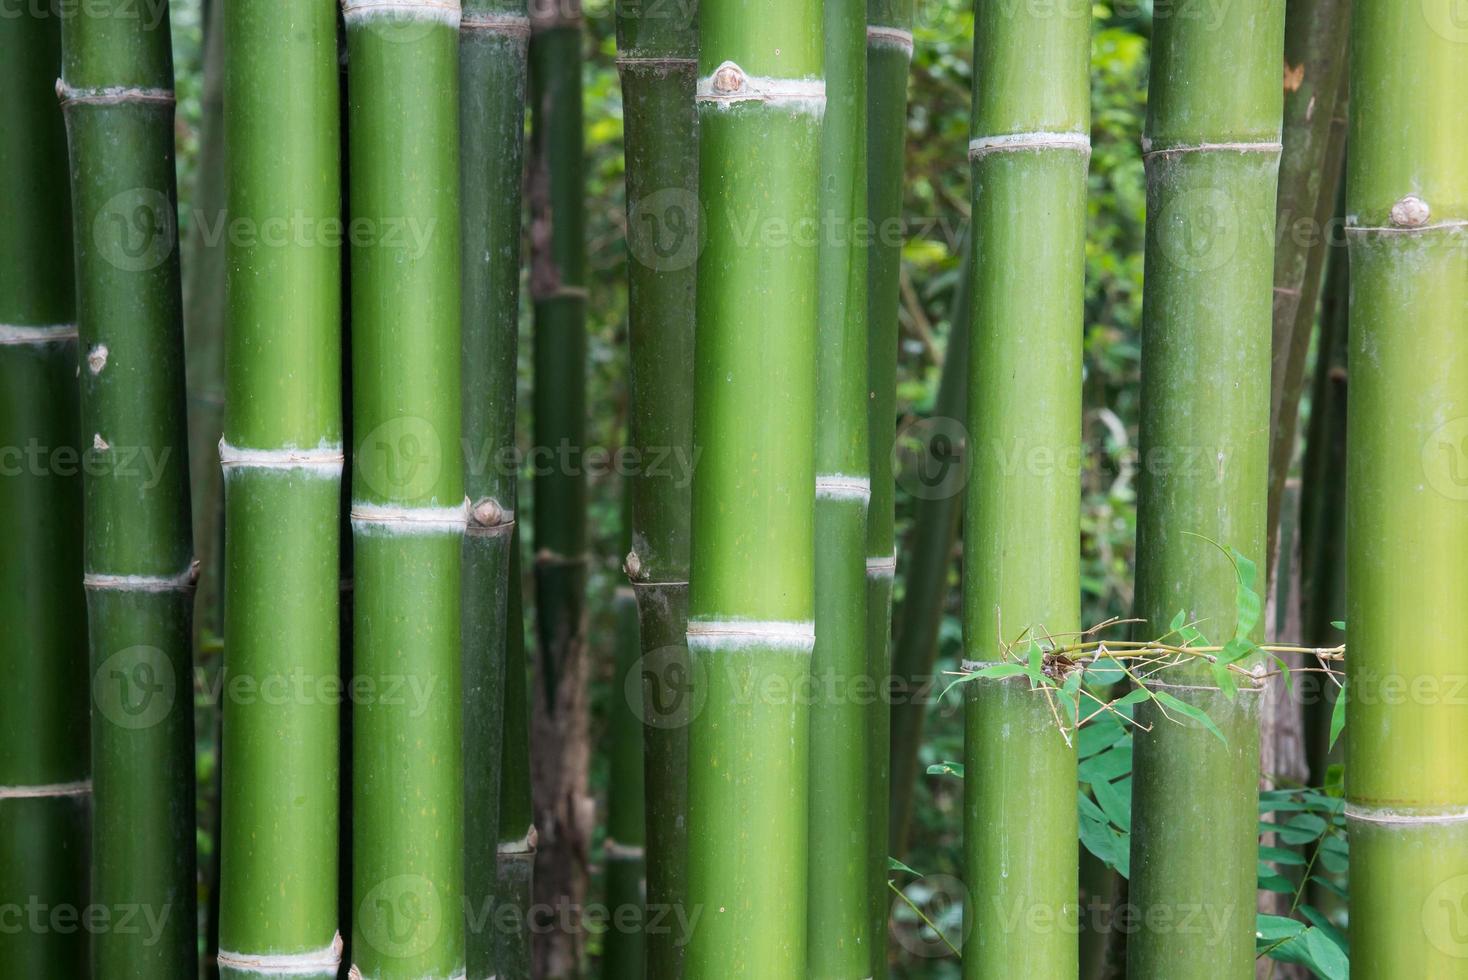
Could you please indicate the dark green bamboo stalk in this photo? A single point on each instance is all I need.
(839, 916)
(1407, 489)
(1030, 149)
(889, 57)
(408, 507)
(761, 96)
(1212, 153)
(117, 93)
(658, 61)
(560, 710)
(517, 836)
(624, 955)
(44, 786)
(1314, 136)
(282, 459)
(926, 566)
(493, 40)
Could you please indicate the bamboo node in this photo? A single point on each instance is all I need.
(616, 851)
(48, 791)
(1410, 212)
(889, 37)
(97, 358)
(632, 565)
(182, 582)
(441, 11)
(328, 457)
(1008, 142)
(389, 519)
(489, 512)
(1264, 146)
(327, 958)
(881, 566)
(510, 25)
(1365, 813)
(739, 634)
(837, 486)
(112, 95)
(729, 84)
(15, 335)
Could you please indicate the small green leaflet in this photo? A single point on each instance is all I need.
(1338, 715)
(946, 769)
(1188, 711)
(895, 865)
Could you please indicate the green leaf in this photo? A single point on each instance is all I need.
(895, 865)
(1114, 763)
(1189, 711)
(1103, 672)
(1335, 781)
(1273, 928)
(1326, 958)
(1281, 855)
(1338, 715)
(1339, 624)
(946, 769)
(1116, 800)
(1109, 846)
(991, 672)
(1098, 735)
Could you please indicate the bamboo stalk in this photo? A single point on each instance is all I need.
(624, 954)
(282, 459)
(927, 562)
(117, 94)
(1030, 151)
(1212, 152)
(889, 57)
(1314, 137)
(1407, 488)
(408, 508)
(839, 917)
(493, 41)
(560, 710)
(515, 874)
(657, 58)
(44, 770)
(761, 97)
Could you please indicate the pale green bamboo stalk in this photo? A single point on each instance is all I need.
(44, 770)
(117, 93)
(889, 57)
(839, 916)
(493, 41)
(761, 96)
(1212, 154)
(1407, 489)
(408, 506)
(1030, 150)
(658, 65)
(282, 459)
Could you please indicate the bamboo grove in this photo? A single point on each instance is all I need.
(454, 716)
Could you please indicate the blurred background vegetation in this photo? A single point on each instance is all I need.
(936, 213)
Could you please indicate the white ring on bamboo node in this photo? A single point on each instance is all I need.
(525, 846)
(880, 566)
(1393, 816)
(889, 37)
(741, 634)
(510, 25)
(729, 84)
(1452, 224)
(672, 64)
(18, 334)
(1265, 146)
(328, 459)
(112, 95)
(389, 519)
(440, 11)
(285, 964)
(1006, 142)
(836, 486)
(969, 666)
(47, 791)
(624, 852)
(182, 582)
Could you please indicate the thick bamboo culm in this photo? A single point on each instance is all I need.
(282, 458)
(494, 37)
(1406, 489)
(44, 773)
(1211, 145)
(117, 93)
(761, 97)
(657, 60)
(1029, 155)
(409, 510)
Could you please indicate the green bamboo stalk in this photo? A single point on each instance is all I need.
(927, 562)
(1212, 153)
(751, 606)
(839, 915)
(117, 94)
(44, 787)
(624, 955)
(515, 875)
(493, 40)
(282, 459)
(1407, 489)
(1314, 136)
(657, 57)
(889, 58)
(408, 508)
(560, 710)
(1030, 150)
